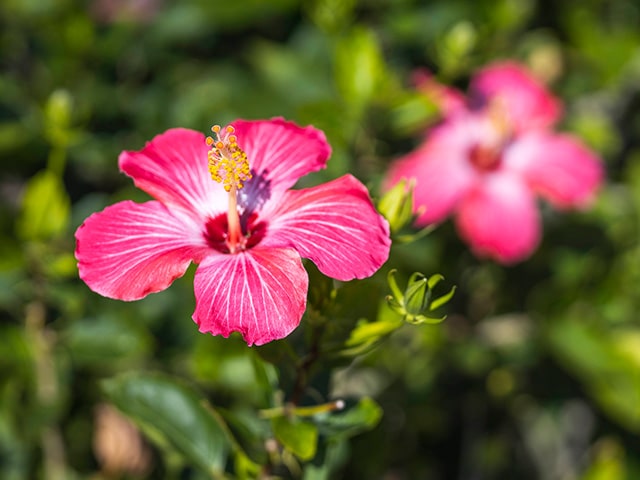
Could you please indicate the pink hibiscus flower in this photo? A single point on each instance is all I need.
(487, 161)
(247, 235)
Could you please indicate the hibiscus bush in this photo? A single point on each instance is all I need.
(319, 240)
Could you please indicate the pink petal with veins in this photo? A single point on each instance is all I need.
(173, 168)
(260, 293)
(334, 224)
(281, 152)
(130, 250)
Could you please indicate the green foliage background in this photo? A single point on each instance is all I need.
(534, 374)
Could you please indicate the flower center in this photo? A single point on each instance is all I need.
(486, 155)
(228, 165)
(217, 233)
(485, 158)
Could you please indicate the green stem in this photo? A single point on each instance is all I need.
(304, 367)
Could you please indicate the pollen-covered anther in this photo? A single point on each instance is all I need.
(228, 164)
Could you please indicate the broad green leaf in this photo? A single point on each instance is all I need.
(363, 416)
(298, 436)
(45, 208)
(173, 414)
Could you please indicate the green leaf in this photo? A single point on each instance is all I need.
(331, 15)
(173, 414)
(412, 112)
(57, 113)
(227, 366)
(297, 436)
(359, 67)
(602, 360)
(16, 357)
(434, 280)
(332, 457)
(438, 302)
(363, 416)
(393, 285)
(366, 332)
(105, 341)
(45, 208)
(420, 319)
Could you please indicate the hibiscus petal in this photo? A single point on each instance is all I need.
(529, 104)
(260, 293)
(130, 250)
(173, 168)
(559, 167)
(334, 224)
(499, 219)
(280, 152)
(441, 168)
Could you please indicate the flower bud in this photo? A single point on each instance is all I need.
(415, 304)
(397, 205)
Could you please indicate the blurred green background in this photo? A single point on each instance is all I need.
(535, 374)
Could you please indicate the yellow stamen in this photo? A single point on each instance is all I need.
(499, 117)
(228, 165)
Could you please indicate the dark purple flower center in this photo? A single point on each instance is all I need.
(217, 233)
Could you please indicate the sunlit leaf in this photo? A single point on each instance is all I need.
(359, 67)
(366, 332)
(45, 208)
(298, 436)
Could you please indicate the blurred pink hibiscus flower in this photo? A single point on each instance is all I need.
(247, 234)
(490, 157)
